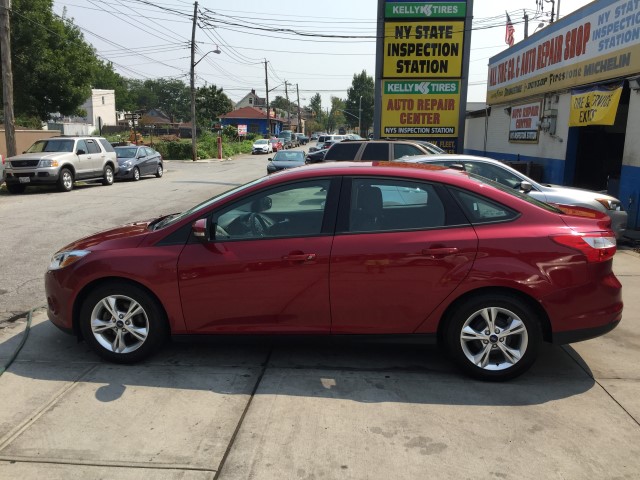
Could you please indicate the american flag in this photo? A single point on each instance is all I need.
(508, 35)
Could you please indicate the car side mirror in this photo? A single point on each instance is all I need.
(199, 229)
(525, 186)
(269, 159)
(80, 152)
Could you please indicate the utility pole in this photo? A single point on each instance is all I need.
(7, 78)
(266, 84)
(299, 122)
(360, 116)
(194, 147)
(286, 94)
(526, 23)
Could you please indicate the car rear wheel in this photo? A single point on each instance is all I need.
(159, 171)
(16, 188)
(107, 176)
(123, 323)
(493, 337)
(136, 174)
(65, 180)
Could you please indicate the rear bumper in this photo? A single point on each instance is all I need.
(562, 338)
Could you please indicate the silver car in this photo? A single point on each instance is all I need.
(501, 173)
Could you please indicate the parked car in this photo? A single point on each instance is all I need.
(2, 162)
(286, 143)
(302, 138)
(316, 156)
(349, 246)
(290, 136)
(510, 177)
(136, 161)
(370, 150)
(262, 146)
(276, 144)
(61, 161)
(283, 160)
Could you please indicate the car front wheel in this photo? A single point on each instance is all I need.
(107, 176)
(65, 180)
(123, 323)
(136, 174)
(493, 337)
(159, 171)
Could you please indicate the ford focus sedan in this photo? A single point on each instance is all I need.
(409, 252)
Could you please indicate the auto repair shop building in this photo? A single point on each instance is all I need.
(568, 98)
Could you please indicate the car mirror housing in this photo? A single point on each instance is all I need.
(80, 152)
(199, 229)
(525, 186)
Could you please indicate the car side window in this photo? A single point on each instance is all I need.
(343, 151)
(479, 209)
(92, 146)
(379, 205)
(294, 210)
(493, 172)
(106, 145)
(375, 151)
(403, 150)
(82, 145)
(149, 152)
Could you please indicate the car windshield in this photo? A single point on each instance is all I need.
(294, 156)
(126, 152)
(261, 142)
(171, 219)
(51, 146)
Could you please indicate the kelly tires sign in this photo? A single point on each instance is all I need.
(414, 109)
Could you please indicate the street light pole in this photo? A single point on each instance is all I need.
(193, 84)
(360, 117)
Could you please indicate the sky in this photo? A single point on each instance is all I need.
(300, 40)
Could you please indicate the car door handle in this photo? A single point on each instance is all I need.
(302, 257)
(439, 251)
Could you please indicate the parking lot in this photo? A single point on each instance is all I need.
(263, 410)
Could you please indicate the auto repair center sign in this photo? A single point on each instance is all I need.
(422, 69)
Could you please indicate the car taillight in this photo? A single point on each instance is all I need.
(597, 246)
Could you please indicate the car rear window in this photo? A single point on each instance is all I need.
(106, 145)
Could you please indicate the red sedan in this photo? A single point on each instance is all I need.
(413, 252)
(276, 144)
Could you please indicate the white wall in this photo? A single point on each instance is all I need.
(102, 103)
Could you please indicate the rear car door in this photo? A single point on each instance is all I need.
(401, 247)
(95, 157)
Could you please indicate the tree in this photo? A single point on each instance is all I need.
(336, 118)
(315, 104)
(211, 102)
(280, 103)
(52, 64)
(361, 86)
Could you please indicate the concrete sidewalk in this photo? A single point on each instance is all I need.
(258, 411)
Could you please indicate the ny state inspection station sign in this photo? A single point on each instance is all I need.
(420, 108)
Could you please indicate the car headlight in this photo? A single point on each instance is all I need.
(127, 163)
(47, 163)
(66, 258)
(609, 204)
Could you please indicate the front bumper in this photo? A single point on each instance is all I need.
(39, 176)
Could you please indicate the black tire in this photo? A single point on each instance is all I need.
(16, 188)
(159, 171)
(135, 174)
(499, 353)
(107, 176)
(107, 333)
(65, 180)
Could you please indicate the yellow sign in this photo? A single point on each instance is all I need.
(423, 49)
(596, 105)
(420, 109)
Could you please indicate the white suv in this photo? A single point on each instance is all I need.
(61, 161)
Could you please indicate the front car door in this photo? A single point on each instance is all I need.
(266, 267)
(401, 247)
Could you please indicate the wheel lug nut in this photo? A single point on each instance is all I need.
(485, 341)
(502, 340)
(497, 330)
(128, 322)
(494, 346)
(487, 332)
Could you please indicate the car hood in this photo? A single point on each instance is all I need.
(571, 195)
(38, 156)
(286, 164)
(124, 236)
